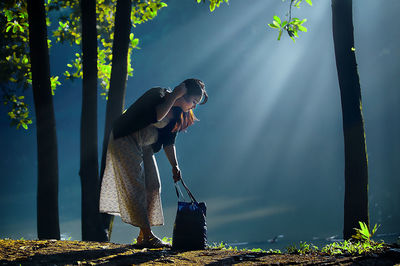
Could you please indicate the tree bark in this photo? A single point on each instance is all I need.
(47, 193)
(356, 162)
(89, 167)
(116, 94)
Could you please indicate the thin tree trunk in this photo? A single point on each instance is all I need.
(47, 193)
(356, 162)
(89, 167)
(116, 94)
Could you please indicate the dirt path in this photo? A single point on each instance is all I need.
(45, 252)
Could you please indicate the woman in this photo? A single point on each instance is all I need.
(131, 182)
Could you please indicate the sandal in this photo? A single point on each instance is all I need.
(153, 242)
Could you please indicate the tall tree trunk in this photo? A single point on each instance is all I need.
(116, 94)
(47, 193)
(89, 167)
(356, 162)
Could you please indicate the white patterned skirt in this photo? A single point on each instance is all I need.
(131, 182)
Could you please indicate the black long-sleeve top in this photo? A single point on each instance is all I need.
(142, 113)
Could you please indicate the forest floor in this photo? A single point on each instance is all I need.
(64, 252)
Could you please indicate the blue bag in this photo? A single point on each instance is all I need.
(190, 228)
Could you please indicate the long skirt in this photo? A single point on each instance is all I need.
(131, 182)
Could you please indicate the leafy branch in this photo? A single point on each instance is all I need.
(292, 25)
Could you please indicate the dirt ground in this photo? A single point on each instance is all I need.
(53, 252)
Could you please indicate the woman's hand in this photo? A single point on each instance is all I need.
(176, 173)
(170, 98)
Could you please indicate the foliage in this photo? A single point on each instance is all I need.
(220, 245)
(304, 248)
(69, 31)
(214, 3)
(19, 110)
(363, 233)
(360, 244)
(15, 67)
(349, 247)
(293, 25)
(225, 246)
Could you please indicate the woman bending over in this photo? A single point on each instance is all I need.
(131, 182)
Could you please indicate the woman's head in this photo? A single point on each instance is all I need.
(196, 87)
(195, 94)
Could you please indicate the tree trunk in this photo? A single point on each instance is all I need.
(356, 162)
(116, 94)
(47, 193)
(89, 167)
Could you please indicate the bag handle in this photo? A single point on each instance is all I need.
(187, 190)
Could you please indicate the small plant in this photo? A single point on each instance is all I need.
(363, 233)
(255, 250)
(304, 248)
(361, 243)
(349, 247)
(274, 251)
(220, 245)
(292, 249)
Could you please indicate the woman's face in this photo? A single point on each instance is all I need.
(188, 102)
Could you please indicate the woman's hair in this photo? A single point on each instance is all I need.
(196, 87)
(186, 119)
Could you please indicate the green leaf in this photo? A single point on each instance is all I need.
(302, 28)
(309, 2)
(24, 125)
(212, 6)
(278, 25)
(273, 26)
(277, 19)
(135, 42)
(11, 115)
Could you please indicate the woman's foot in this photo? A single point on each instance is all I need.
(152, 242)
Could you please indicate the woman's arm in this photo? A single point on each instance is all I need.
(170, 98)
(170, 151)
